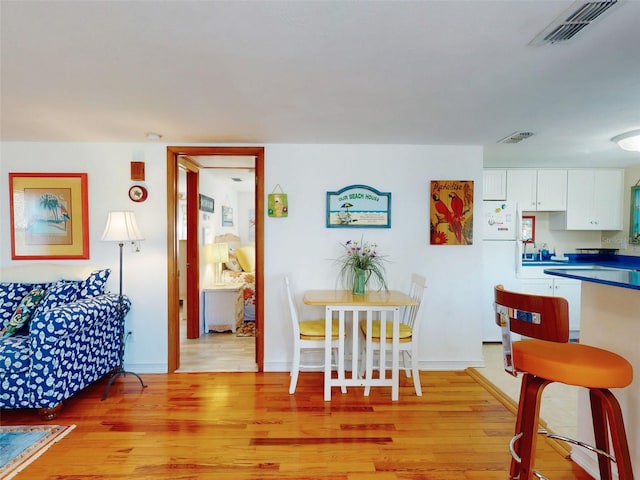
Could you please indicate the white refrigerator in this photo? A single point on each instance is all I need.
(501, 256)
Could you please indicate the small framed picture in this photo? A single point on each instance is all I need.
(227, 216)
(528, 230)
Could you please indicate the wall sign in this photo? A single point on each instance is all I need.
(277, 203)
(205, 203)
(358, 206)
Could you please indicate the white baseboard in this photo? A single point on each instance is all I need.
(141, 368)
(456, 365)
(588, 461)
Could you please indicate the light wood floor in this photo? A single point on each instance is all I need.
(189, 426)
(559, 408)
(216, 352)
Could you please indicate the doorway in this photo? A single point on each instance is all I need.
(174, 156)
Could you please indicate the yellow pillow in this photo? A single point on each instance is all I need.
(246, 258)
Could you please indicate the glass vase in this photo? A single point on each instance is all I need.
(360, 278)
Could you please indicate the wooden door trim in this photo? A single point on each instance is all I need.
(193, 256)
(173, 304)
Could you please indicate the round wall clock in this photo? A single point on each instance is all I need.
(138, 193)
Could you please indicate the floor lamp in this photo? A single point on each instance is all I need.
(121, 228)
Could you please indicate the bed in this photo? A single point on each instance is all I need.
(241, 269)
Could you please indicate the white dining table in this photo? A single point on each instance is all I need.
(383, 305)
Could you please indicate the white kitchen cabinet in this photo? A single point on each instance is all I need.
(494, 184)
(538, 189)
(557, 287)
(594, 200)
(222, 307)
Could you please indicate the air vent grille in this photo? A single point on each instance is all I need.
(516, 137)
(568, 25)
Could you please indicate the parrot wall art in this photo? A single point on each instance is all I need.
(451, 221)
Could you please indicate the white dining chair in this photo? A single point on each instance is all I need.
(409, 334)
(309, 336)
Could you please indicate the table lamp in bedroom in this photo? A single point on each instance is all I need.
(217, 254)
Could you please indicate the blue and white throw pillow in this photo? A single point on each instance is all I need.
(60, 293)
(94, 285)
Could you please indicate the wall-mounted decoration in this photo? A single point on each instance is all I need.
(206, 204)
(49, 216)
(528, 229)
(137, 171)
(227, 216)
(138, 193)
(358, 206)
(451, 221)
(277, 203)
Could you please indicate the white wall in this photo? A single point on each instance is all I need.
(299, 244)
(144, 273)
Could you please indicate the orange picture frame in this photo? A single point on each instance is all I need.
(49, 216)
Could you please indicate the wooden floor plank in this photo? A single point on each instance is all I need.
(246, 426)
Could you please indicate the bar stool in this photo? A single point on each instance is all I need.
(546, 357)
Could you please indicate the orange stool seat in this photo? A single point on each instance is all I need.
(572, 364)
(546, 356)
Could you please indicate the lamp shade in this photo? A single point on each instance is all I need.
(122, 227)
(629, 141)
(216, 253)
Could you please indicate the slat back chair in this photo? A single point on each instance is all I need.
(309, 336)
(410, 321)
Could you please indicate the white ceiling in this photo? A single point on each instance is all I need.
(389, 72)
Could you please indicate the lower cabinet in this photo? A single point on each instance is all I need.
(558, 287)
(222, 307)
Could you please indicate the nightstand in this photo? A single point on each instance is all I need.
(222, 307)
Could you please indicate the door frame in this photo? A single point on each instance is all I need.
(173, 289)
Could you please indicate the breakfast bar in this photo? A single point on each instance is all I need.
(609, 319)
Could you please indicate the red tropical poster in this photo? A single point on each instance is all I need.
(451, 221)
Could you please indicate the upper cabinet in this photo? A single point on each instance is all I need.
(494, 184)
(594, 200)
(538, 189)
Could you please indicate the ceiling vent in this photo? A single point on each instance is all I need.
(516, 137)
(572, 21)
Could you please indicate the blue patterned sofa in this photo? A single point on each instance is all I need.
(70, 339)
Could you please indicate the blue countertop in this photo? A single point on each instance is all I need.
(614, 277)
(628, 262)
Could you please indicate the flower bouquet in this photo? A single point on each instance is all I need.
(360, 264)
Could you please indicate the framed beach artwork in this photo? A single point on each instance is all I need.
(49, 216)
(451, 217)
(358, 206)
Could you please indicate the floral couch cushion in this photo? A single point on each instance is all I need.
(11, 294)
(23, 313)
(248, 290)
